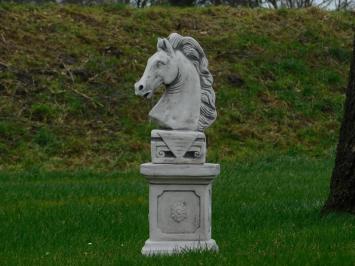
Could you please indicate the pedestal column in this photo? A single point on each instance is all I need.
(180, 195)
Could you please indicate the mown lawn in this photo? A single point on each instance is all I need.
(265, 211)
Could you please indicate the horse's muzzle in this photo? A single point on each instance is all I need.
(141, 90)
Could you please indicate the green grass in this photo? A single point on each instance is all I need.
(265, 212)
(67, 75)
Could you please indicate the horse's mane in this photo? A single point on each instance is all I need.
(193, 51)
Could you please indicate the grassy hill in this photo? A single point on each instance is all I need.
(67, 75)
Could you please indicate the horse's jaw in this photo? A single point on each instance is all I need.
(179, 107)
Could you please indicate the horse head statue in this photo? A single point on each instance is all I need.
(188, 102)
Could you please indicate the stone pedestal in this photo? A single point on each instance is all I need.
(179, 207)
(179, 194)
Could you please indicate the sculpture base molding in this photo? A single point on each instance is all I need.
(180, 197)
(175, 247)
(178, 147)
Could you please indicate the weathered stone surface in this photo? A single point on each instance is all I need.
(178, 211)
(178, 146)
(174, 247)
(188, 102)
(179, 207)
(180, 182)
(205, 171)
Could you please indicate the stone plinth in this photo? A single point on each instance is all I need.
(179, 207)
(178, 147)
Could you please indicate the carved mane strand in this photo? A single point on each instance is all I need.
(193, 51)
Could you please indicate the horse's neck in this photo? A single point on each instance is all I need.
(179, 107)
(186, 83)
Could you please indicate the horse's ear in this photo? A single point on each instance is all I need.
(164, 44)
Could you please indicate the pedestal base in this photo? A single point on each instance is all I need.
(175, 247)
(180, 197)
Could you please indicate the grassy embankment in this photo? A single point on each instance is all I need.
(67, 75)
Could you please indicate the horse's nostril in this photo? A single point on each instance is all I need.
(140, 87)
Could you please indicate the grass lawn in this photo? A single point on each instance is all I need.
(265, 211)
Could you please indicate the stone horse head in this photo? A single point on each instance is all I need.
(188, 102)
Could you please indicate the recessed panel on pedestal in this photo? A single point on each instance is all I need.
(179, 212)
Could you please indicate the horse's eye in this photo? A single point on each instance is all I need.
(160, 63)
